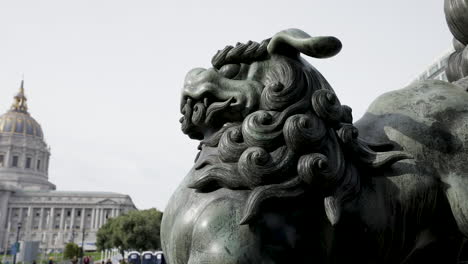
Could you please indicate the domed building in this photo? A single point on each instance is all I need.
(24, 155)
(28, 199)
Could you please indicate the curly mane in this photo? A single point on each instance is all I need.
(299, 139)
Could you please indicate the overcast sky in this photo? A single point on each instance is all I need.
(103, 77)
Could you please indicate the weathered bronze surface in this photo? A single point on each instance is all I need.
(284, 176)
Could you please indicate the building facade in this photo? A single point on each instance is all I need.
(29, 201)
(436, 70)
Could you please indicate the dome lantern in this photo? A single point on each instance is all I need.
(20, 104)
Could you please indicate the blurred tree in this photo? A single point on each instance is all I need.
(136, 230)
(71, 250)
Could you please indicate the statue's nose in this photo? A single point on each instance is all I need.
(198, 81)
(194, 76)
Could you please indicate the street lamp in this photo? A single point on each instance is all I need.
(82, 245)
(16, 243)
(73, 236)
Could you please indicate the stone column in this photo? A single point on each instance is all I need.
(29, 220)
(51, 218)
(50, 227)
(98, 217)
(72, 219)
(102, 217)
(83, 215)
(62, 219)
(22, 159)
(4, 198)
(8, 157)
(7, 235)
(20, 215)
(93, 215)
(10, 210)
(41, 219)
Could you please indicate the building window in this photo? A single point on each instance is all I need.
(68, 213)
(15, 162)
(38, 166)
(78, 213)
(19, 128)
(28, 163)
(2, 160)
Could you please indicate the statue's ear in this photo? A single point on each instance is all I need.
(291, 42)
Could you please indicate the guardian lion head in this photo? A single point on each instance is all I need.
(277, 125)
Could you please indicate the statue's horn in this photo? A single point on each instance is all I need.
(291, 42)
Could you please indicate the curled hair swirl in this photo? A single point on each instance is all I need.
(455, 14)
(277, 95)
(231, 144)
(261, 129)
(316, 170)
(303, 132)
(327, 106)
(260, 167)
(198, 114)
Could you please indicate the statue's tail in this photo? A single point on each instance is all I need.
(456, 13)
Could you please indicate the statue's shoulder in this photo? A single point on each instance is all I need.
(425, 117)
(431, 96)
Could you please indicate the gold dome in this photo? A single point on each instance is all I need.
(17, 120)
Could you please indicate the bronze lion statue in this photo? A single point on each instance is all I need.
(284, 175)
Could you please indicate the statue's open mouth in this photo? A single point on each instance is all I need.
(200, 116)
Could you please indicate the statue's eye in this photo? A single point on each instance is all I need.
(230, 70)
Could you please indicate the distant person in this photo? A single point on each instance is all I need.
(51, 260)
(74, 260)
(86, 260)
(34, 262)
(109, 261)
